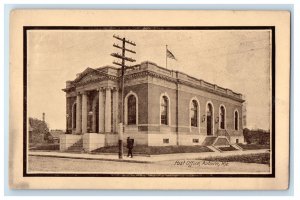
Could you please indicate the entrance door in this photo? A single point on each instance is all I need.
(209, 119)
(209, 132)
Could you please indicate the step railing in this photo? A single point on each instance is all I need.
(227, 135)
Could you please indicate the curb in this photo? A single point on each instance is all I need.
(105, 159)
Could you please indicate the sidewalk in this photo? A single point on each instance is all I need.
(143, 159)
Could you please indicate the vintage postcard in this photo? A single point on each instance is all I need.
(149, 99)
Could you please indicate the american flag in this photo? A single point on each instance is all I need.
(170, 54)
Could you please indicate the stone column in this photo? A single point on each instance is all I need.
(84, 112)
(108, 110)
(78, 114)
(101, 111)
(94, 104)
(115, 110)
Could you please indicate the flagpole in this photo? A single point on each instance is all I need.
(166, 57)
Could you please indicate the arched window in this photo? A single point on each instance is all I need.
(131, 106)
(236, 120)
(194, 114)
(222, 117)
(131, 109)
(164, 108)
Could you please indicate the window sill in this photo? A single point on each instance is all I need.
(165, 127)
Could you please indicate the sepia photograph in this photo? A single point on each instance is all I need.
(154, 104)
(149, 100)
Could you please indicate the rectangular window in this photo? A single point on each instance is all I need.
(131, 110)
(164, 111)
(194, 114)
(164, 115)
(194, 120)
(164, 120)
(236, 120)
(195, 140)
(166, 141)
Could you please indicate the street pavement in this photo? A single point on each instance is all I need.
(42, 164)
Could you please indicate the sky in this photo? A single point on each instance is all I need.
(234, 59)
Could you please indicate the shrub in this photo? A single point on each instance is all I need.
(44, 147)
(257, 136)
(230, 148)
(254, 146)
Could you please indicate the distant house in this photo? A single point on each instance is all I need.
(55, 134)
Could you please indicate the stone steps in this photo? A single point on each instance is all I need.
(77, 147)
(208, 141)
(221, 141)
(238, 147)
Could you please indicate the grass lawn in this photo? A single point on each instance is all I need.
(254, 146)
(156, 150)
(260, 158)
(45, 147)
(231, 148)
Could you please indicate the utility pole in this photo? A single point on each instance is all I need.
(123, 67)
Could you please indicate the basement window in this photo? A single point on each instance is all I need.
(195, 140)
(166, 141)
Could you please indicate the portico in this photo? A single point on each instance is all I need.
(96, 111)
(94, 118)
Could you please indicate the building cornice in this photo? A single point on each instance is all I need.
(151, 69)
(214, 89)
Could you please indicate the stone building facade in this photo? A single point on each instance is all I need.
(161, 107)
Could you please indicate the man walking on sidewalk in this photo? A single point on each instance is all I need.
(130, 146)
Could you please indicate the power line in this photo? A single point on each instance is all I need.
(238, 52)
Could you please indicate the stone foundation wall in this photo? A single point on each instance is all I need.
(140, 138)
(233, 139)
(159, 139)
(111, 139)
(194, 139)
(92, 141)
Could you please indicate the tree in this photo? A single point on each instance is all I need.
(256, 136)
(38, 131)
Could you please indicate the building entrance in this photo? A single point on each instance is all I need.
(209, 120)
